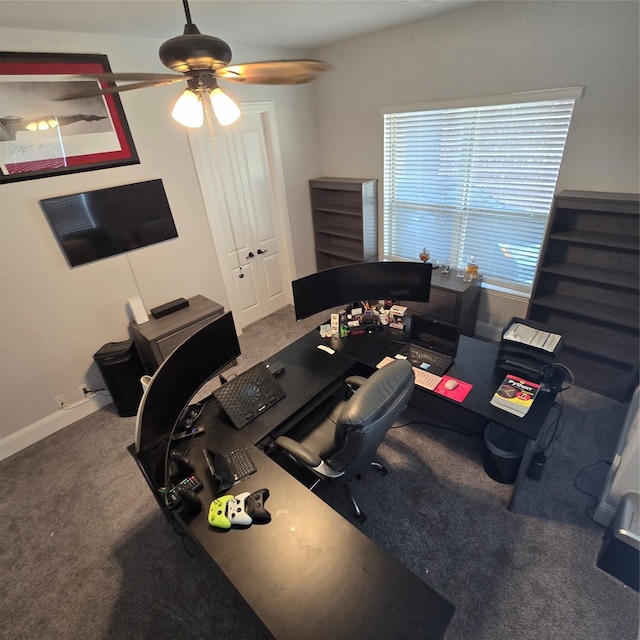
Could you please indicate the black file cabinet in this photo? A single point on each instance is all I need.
(451, 300)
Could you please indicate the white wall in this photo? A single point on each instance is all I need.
(53, 318)
(494, 48)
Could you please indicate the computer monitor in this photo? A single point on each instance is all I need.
(363, 281)
(179, 378)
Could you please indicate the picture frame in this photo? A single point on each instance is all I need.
(42, 135)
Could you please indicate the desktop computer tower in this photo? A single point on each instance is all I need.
(121, 368)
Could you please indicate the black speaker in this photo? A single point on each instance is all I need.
(121, 368)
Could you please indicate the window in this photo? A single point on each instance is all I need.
(475, 179)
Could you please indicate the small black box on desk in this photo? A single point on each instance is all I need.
(169, 307)
(528, 348)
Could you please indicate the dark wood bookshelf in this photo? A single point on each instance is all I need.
(345, 221)
(587, 286)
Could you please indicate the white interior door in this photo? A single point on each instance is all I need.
(241, 178)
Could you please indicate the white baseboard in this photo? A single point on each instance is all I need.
(50, 424)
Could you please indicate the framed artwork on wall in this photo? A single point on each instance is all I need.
(42, 135)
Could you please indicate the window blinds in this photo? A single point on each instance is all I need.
(475, 181)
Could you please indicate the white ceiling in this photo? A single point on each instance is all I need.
(282, 23)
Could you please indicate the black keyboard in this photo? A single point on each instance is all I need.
(240, 464)
(231, 467)
(417, 354)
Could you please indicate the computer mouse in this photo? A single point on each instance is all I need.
(450, 384)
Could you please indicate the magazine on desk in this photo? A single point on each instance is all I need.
(515, 395)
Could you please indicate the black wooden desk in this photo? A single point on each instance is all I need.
(474, 364)
(309, 572)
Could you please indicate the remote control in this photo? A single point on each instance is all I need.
(192, 482)
(188, 433)
(328, 350)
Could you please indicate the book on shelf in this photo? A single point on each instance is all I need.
(515, 395)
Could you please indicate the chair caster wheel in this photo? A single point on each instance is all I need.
(382, 471)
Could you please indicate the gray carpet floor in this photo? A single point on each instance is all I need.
(86, 552)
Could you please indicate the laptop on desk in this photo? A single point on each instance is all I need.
(432, 344)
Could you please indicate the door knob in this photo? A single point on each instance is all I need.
(251, 255)
(260, 251)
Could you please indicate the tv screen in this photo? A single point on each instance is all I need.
(98, 224)
(363, 281)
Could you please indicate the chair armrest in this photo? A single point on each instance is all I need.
(354, 382)
(298, 451)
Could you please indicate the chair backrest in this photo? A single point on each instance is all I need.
(367, 416)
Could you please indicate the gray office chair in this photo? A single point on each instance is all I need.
(344, 444)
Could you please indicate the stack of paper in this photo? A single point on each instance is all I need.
(529, 336)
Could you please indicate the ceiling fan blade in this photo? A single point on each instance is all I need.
(130, 77)
(274, 71)
(102, 91)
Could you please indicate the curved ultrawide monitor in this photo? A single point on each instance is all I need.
(180, 376)
(363, 281)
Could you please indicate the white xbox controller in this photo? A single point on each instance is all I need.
(236, 512)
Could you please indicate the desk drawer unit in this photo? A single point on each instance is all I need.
(168, 344)
(443, 304)
(451, 300)
(157, 339)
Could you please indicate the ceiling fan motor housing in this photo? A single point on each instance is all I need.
(194, 51)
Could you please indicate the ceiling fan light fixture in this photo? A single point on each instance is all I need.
(188, 110)
(42, 125)
(226, 110)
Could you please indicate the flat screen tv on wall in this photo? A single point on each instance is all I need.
(99, 224)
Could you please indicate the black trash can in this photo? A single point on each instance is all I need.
(502, 452)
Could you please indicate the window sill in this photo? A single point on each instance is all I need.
(506, 291)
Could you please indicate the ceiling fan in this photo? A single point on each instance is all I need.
(202, 60)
